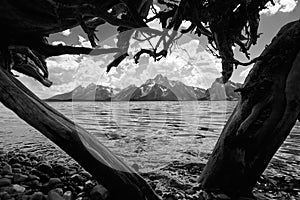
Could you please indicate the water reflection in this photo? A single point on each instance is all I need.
(148, 133)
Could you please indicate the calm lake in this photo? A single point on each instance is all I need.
(150, 134)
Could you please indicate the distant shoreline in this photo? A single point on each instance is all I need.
(50, 100)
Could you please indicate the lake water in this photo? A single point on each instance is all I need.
(150, 134)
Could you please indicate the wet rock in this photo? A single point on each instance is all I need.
(26, 163)
(4, 196)
(59, 169)
(32, 156)
(45, 168)
(169, 196)
(77, 178)
(176, 184)
(9, 189)
(135, 167)
(34, 163)
(71, 172)
(52, 195)
(222, 197)
(44, 177)
(16, 165)
(6, 169)
(86, 174)
(33, 177)
(69, 188)
(81, 194)
(5, 182)
(8, 176)
(190, 191)
(17, 170)
(54, 182)
(13, 161)
(59, 191)
(38, 196)
(35, 172)
(19, 178)
(79, 189)
(99, 193)
(33, 184)
(18, 188)
(67, 195)
(88, 185)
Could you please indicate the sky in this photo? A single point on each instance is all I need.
(188, 60)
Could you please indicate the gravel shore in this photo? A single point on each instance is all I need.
(34, 176)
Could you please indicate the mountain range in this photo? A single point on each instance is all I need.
(159, 88)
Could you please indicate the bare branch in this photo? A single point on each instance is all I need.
(50, 50)
(151, 53)
(116, 61)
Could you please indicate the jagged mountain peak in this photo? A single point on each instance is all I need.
(159, 88)
(91, 85)
(160, 78)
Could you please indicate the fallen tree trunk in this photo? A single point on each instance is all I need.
(122, 181)
(262, 119)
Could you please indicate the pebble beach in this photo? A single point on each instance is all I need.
(32, 176)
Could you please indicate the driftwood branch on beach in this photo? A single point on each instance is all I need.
(122, 181)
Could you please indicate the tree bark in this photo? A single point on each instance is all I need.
(122, 181)
(262, 119)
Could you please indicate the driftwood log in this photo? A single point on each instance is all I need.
(122, 181)
(262, 119)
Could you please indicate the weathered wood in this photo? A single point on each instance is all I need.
(121, 181)
(262, 119)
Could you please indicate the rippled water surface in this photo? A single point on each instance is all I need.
(148, 133)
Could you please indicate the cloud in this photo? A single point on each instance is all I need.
(186, 24)
(66, 32)
(280, 6)
(188, 62)
(58, 43)
(66, 62)
(84, 42)
(245, 72)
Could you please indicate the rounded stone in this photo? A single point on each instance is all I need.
(44, 177)
(33, 177)
(45, 168)
(59, 191)
(38, 196)
(54, 182)
(13, 161)
(32, 156)
(67, 195)
(33, 184)
(18, 188)
(17, 170)
(4, 196)
(5, 182)
(34, 163)
(52, 195)
(88, 185)
(86, 174)
(19, 178)
(77, 178)
(6, 169)
(98, 193)
(59, 169)
(16, 165)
